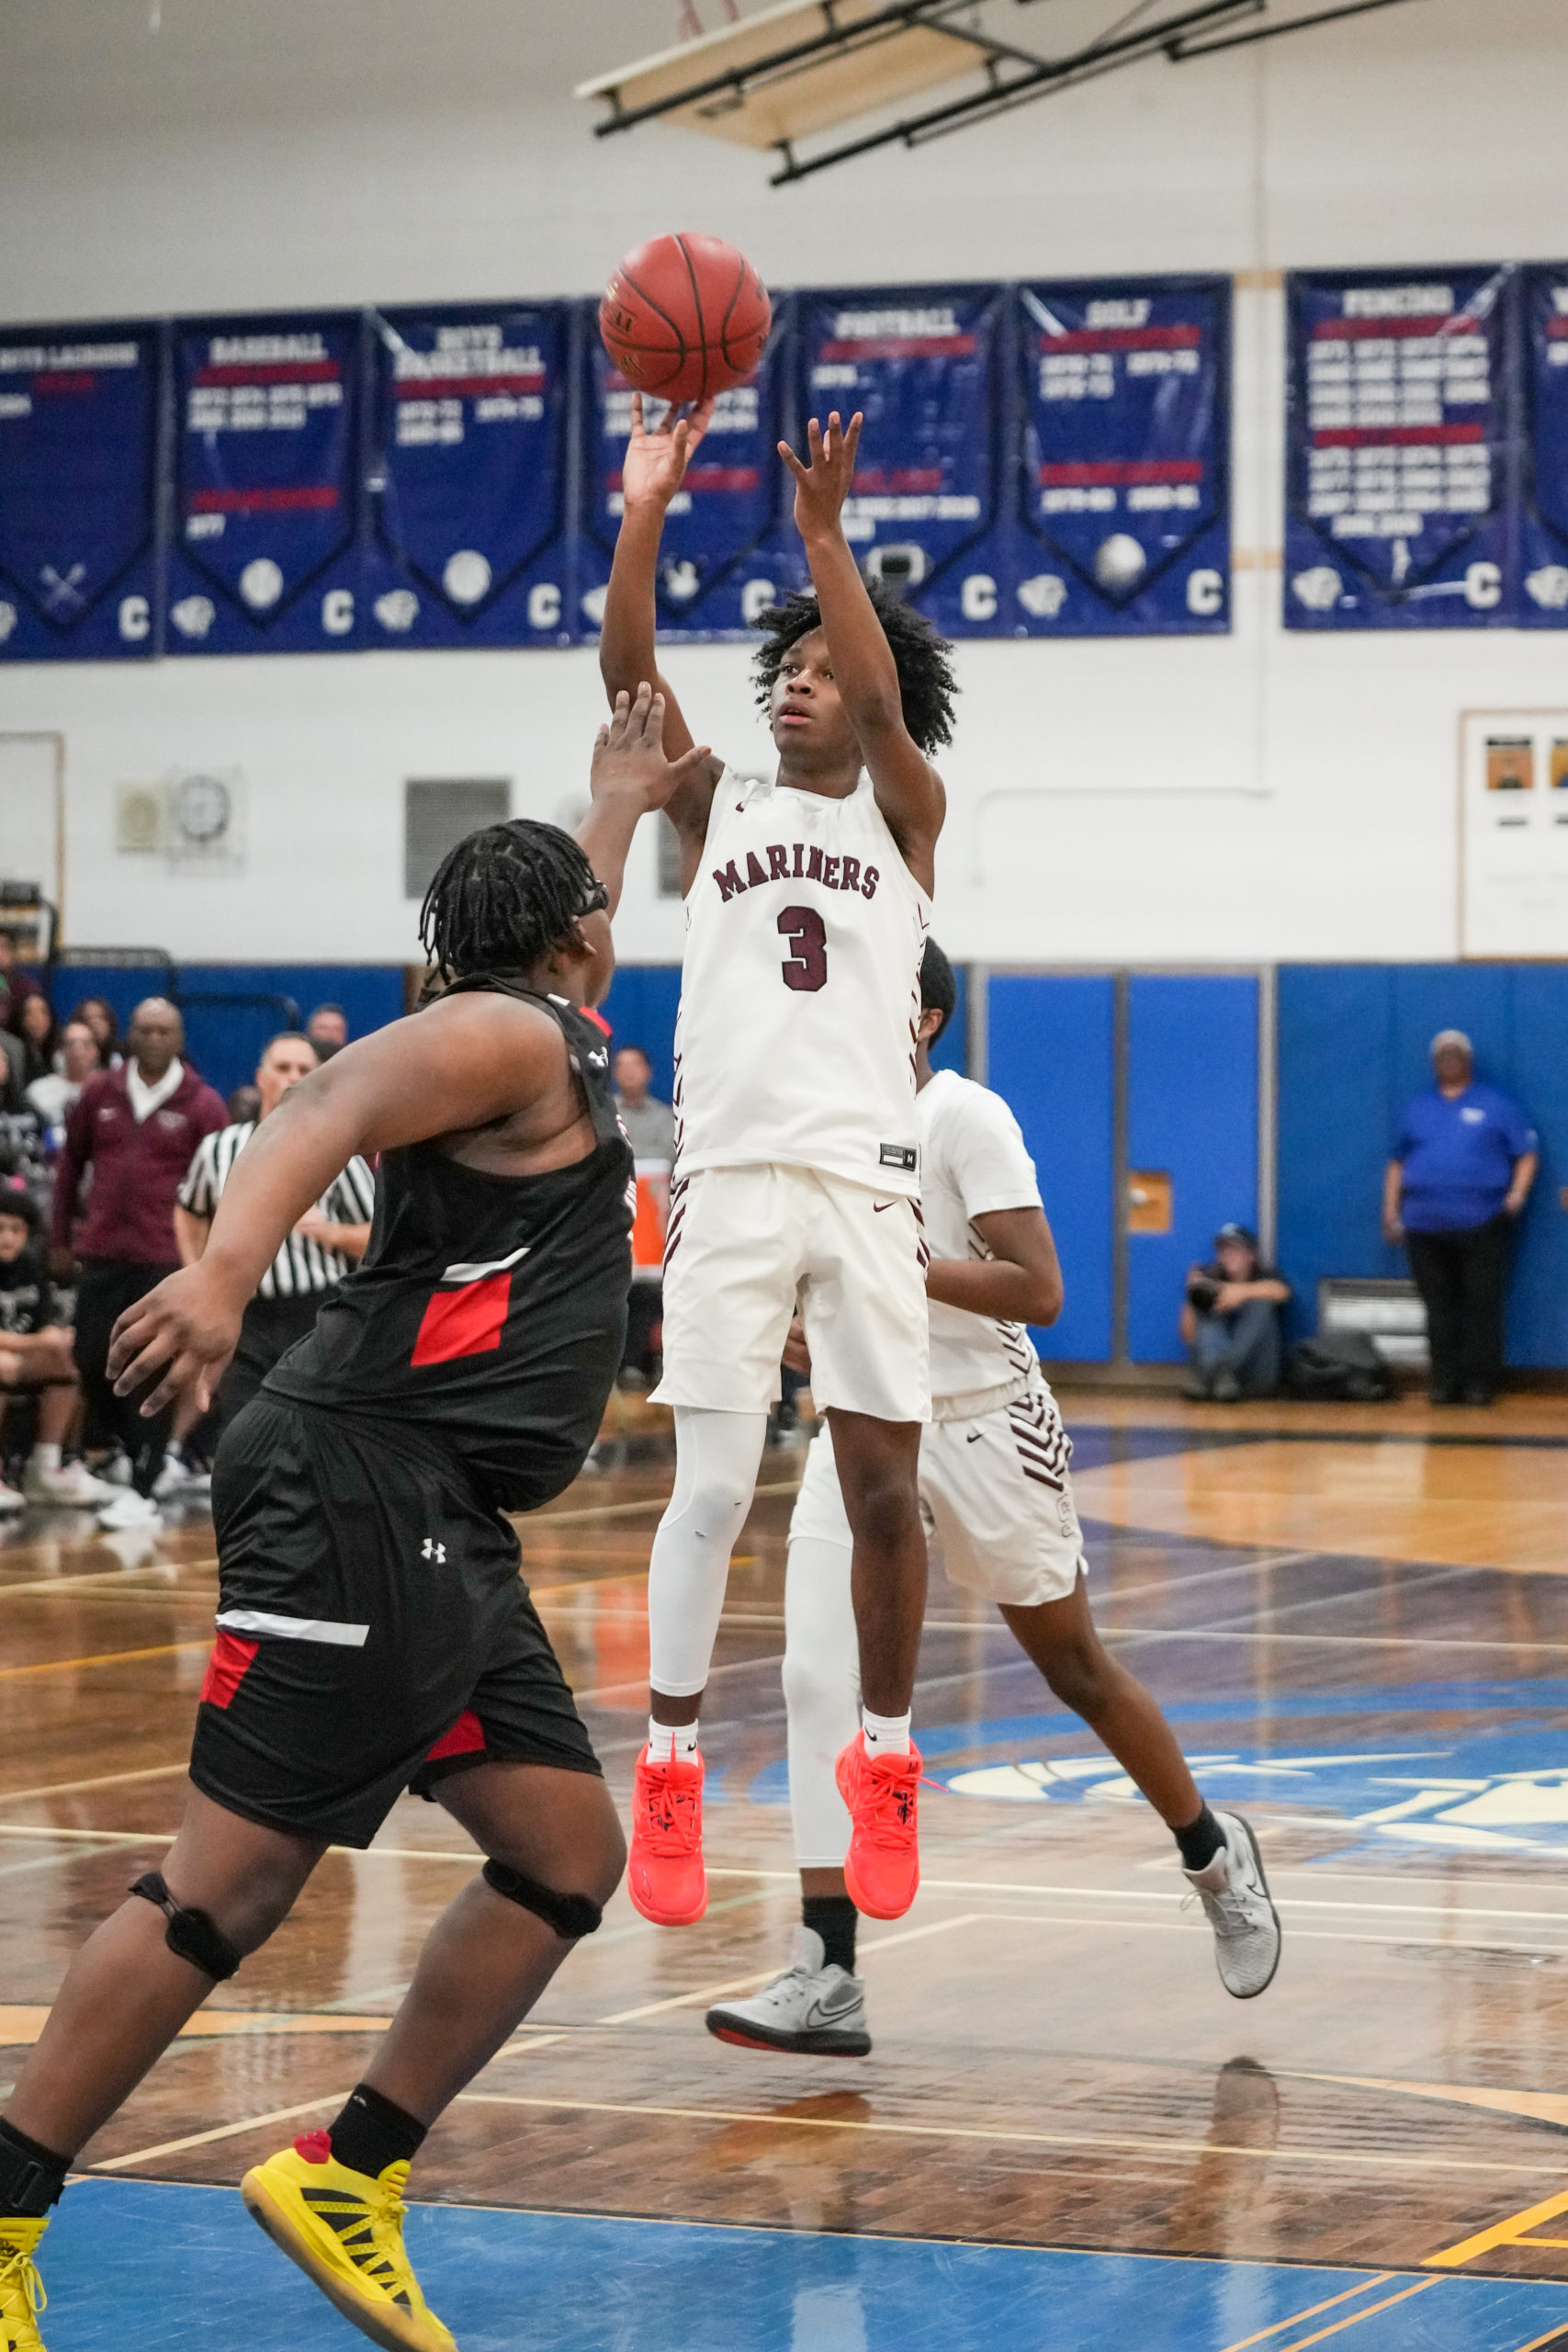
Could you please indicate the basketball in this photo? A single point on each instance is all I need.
(685, 316)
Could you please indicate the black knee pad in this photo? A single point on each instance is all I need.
(191, 1934)
(570, 1915)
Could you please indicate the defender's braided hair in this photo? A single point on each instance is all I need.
(920, 656)
(506, 897)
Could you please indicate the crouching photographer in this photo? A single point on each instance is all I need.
(1230, 1320)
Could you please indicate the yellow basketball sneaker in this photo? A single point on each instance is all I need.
(346, 2231)
(21, 2289)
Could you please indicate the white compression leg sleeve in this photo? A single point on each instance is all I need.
(821, 1682)
(717, 1456)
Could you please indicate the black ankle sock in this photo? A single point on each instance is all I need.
(371, 2133)
(1200, 1841)
(31, 2175)
(835, 1918)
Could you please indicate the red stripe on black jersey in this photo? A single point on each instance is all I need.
(467, 1322)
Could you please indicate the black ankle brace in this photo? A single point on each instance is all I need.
(31, 2175)
(570, 1915)
(191, 1934)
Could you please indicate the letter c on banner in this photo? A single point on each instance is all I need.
(1205, 593)
(755, 598)
(337, 611)
(544, 606)
(977, 597)
(135, 618)
(1483, 587)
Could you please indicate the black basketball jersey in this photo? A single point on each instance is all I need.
(488, 1313)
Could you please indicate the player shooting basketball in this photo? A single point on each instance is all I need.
(797, 1161)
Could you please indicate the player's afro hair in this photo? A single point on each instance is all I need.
(505, 897)
(920, 654)
(939, 989)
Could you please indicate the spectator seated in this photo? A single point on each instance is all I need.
(1230, 1320)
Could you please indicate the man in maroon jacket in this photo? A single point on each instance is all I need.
(136, 1127)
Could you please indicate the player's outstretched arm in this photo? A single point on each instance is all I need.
(653, 470)
(463, 1063)
(630, 778)
(466, 1062)
(909, 790)
(1020, 1282)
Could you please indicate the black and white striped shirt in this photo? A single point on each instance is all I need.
(300, 1266)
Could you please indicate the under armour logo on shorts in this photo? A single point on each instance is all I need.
(435, 1550)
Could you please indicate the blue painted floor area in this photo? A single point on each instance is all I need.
(186, 2267)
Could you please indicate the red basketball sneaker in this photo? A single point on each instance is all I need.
(665, 1872)
(882, 1869)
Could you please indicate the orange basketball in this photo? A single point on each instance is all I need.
(685, 316)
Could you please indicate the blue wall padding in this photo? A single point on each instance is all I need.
(641, 1009)
(1051, 1041)
(1353, 1043)
(1192, 1111)
(225, 1041)
(645, 998)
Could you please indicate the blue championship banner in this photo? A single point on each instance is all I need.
(723, 558)
(78, 492)
(1543, 514)
(925, 366)
(468, 505)
(266, 555)
(1399, 447)
(1123, 507)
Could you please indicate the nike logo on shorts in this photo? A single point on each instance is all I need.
(973, 1437)
(877, 1206)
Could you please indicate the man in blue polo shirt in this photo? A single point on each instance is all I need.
(1460, 1177)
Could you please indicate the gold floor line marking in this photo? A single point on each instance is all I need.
(1083, 1894)
(47, 1833)
(1539, 2343)
(653, 1502)
(103, 1657)
(1508, 2231)
(766, 1976)
(1356, 2317)
(98, 1780)
(1145, 2145)
(220, 2132)
(1313, 2312)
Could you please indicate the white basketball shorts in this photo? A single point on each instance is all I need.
(995, 1494)
(745, 1244)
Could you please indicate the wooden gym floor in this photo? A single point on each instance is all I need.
(1067, 2133)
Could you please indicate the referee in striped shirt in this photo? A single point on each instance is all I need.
(326, 1244)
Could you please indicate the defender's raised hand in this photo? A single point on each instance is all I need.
(821, 487)
(657, 456)
(629, 758)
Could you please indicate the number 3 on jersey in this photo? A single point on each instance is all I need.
(808, 967)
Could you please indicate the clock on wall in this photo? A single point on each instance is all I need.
(201, 809)
(204, 819)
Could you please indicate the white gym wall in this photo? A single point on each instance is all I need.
(1209, 800)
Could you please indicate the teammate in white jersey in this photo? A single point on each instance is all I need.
(797, 1175)
(996, 1493)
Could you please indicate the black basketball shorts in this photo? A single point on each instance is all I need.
(373, 1633)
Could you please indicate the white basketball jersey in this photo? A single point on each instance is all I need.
(974, 1160)
(800, 996)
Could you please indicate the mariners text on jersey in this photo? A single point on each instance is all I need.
(800, 995)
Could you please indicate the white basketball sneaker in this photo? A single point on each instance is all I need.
(811, 2008)
(70, 1485)
(1234, 1892)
